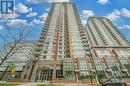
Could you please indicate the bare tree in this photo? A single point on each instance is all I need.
(11, 41)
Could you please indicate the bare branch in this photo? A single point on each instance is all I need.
(13, 49)
(1, 58)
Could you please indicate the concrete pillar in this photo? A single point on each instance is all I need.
(39, 74)
(54, 71)
(33, 76)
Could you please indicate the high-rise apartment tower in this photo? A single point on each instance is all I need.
(62, 42)
(110, 49)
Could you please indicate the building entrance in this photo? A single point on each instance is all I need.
(46, 75)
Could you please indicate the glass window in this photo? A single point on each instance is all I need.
(103, 53)
(124, 61)
(68, 65)
(83, 65)
(83, 68)
(98, 65)
(124, 53)
(83, 73)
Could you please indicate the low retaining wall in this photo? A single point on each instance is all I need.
(73, 81)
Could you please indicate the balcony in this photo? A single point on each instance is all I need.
(45, 29)
(46, 25)
(36, 54)
(92, 70)
(108, 70)
(123, 69)
(128, 67)
(83, 34)
(114, 68)
(77, 71)
(84, 40)
(43, 33)
(42, 37)
(39, 44)
(84, 37)
(87, 49)
(86, 45)
(81, 31)
(38, 49)
(41, 41)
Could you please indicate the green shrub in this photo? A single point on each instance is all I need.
(48, 85)
(4, 84)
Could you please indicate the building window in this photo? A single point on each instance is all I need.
(124, 61)
(45, 51)
(44, 57)
(98, 65)
(59, 73)
(83, 65)
(83, 68)
(103, 53)
(25, 75)
(68, 65)
(124, 53)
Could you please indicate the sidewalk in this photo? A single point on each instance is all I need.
(63, 84)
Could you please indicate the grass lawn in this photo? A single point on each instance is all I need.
(93, 85)
(5, 84)
(48, 85)
(63, 85)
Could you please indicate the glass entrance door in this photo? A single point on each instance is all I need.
(46, 75)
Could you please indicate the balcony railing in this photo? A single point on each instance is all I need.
(39, 44)
(127, 67)
(114, 68)
(36, 54)
(84, 37)
(38, 49)
(41, 41)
